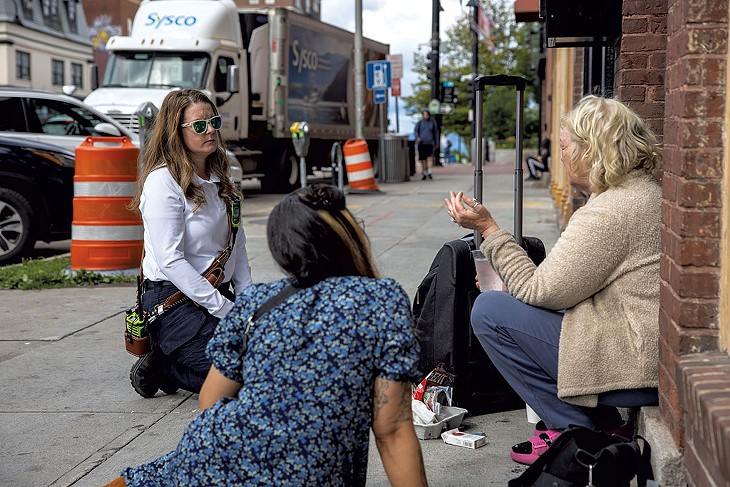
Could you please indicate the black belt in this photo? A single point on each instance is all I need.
(147, 285)
(159, 285)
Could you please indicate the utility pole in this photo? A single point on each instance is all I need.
(359, 74)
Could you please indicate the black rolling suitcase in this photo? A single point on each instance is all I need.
(443, 300)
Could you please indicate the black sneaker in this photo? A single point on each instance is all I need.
(141, 377)
(429, 176)
(423, 177)
(147, 376)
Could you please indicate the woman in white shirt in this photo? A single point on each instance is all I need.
(185, 198)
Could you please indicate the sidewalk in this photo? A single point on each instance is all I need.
(68, 415)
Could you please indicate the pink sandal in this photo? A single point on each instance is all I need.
(528, 451)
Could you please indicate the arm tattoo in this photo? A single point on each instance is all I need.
(405, 412)
(402, 410)
(380, 396)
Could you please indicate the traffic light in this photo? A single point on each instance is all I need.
(470, 91)
(432, 63)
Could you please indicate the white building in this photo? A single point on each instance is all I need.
(45, 44)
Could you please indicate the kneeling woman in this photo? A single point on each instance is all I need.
(578, 335)
(293, 393)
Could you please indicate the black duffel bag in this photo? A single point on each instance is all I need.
(581, 456)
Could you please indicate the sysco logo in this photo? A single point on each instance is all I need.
(304, 58)
(158, 20)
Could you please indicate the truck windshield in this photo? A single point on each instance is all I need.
(156, 70)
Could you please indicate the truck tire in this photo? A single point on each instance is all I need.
(283, 174)
(17, 231)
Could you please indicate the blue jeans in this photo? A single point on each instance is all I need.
(522, 342)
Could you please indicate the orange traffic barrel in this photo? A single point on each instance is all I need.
(360, 173)
(105, 235)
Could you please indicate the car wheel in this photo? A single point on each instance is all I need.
(16, 228)
(282, 176)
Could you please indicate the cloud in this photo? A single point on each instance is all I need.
(404, 25)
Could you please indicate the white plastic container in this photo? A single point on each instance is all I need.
(450, 418)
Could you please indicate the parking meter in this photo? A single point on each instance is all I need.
(336, 156)
(146, 114)
(300, 139)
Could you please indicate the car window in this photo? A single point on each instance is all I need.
(12, 116)
(61, 118)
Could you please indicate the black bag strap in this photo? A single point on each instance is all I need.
(274, 301)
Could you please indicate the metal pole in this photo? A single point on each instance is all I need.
(359, 74)
(518, 166)
(479, 98)
(397, 122)
(435, 70)
(474, 69)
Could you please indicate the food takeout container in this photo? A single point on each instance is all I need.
(450, 418)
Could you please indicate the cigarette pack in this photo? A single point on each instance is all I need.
(467, 440)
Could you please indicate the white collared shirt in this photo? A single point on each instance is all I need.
(180, 243)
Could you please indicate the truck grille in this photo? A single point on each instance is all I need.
(127, 120)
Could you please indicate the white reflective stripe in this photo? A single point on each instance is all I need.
(360, 175)
(105, 232)
(354, 159)
(105, 189)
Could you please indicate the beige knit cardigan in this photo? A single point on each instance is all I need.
(604, 271)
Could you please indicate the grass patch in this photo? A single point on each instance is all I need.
(49, 273)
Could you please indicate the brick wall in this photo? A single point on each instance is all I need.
(691, 371)
(641, 61)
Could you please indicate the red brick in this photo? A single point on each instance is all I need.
(632, 93)
(696, 313)
(701, 163)
(704, 11)
(634, 25)
(698, 252)
(633, 61)
(644, 7)
(656, 93)
(688, 222)
(641, 77)
(700, 133)
(698, 194)
(705, 71)
(696, 283)
(658, 60)
(643, 42)
(707, 40)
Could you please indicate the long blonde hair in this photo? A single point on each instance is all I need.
(166, 148)
(612, 139)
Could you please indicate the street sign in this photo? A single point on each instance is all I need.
(396, 65)
(434, 106)
(378, 74)
(395, 87)
(380, 94)
(448, 92)
(446, 109)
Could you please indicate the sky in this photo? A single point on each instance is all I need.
(404, 24)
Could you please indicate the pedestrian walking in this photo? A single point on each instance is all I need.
(427, 143)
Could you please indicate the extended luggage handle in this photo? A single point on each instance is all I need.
(519, 83)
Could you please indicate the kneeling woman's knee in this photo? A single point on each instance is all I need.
(487, 307)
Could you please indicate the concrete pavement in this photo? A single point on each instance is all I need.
(68, 415)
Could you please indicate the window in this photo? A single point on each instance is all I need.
(221, 73)
(57, 74)
(11, 115)
(61, 118)
(50, 14)
(71, 13)
(22, 65)
(77, 78)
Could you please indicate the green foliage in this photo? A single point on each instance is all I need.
(515, 56)
(50, 273)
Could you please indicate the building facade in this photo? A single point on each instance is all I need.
(669, 62)
(44, 44)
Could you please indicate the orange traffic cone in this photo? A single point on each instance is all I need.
(360, 173)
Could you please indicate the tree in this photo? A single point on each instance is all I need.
(513, 55)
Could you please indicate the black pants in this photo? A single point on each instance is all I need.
(181, 336)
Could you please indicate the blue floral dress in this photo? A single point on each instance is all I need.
(303, 415)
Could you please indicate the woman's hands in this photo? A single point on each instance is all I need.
(469, 213)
